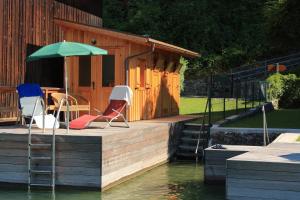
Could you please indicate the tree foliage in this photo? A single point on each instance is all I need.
(284, 89)
(226, 33)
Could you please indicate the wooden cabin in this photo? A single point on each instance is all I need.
(150, 67)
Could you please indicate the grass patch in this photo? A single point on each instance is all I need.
(191, 105)
(283, 118)
(298, 140)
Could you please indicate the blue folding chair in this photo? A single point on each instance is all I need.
(31, 105)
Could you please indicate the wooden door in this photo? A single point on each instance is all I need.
(86, 78)
(156, 94)
(175, 93)
(112, 73)
(166, 94)
(95, 76)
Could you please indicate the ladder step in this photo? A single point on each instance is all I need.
(41, 184)
(41, 158)
(40, 172)
(40, 145)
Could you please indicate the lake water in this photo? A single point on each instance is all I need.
(170, 181)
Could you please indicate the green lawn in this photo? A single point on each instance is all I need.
(283, 118)
(189, 105)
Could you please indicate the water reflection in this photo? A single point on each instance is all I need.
(171, 181)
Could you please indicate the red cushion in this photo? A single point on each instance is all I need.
(117, 105)
(82, 122)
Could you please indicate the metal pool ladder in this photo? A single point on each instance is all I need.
(37, 159)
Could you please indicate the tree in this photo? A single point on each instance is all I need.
(227, 33)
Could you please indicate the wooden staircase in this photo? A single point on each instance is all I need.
(192, 135)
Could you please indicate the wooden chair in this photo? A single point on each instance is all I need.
(77, 103)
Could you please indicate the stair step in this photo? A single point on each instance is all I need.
(187, 155)
(189, 139)
(40, 172)
(193, 140)
(41, 184)
(40, 158)
(40, 145)
(194, 124)
(193, 132)
(189, 147)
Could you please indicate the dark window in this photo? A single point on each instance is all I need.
(91, 6)
(45, 72)
(108, 70)
(84, 76)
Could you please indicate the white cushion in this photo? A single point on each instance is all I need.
(122, 92)
(27, 106)
(49, 121)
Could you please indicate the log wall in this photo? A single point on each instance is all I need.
(30, 22)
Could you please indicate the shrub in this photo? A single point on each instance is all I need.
(276, 86)
(184, 67)
(285, 89)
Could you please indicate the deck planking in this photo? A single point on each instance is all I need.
(215, 161)
(272, 172)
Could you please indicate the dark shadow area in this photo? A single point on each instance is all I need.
(45, 72)
(292, 156)
(90, 6)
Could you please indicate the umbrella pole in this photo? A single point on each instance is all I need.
(66, 87)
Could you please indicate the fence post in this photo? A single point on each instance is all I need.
(209, 99)
(237, 98)
(246, 95)
(259, 94)
(253, 94)
(224, 107)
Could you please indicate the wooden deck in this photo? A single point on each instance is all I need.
(269, 173)
(93, 157)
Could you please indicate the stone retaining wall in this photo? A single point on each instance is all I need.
(244, 136)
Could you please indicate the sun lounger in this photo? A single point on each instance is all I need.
(120, 97)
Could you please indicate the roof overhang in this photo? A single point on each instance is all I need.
(129, 37)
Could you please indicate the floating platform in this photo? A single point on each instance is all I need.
(215, 161)
(92, 157)
(270, 173)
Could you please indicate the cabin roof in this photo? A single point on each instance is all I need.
(130, 37)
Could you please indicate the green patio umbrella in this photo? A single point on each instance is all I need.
(65, 49)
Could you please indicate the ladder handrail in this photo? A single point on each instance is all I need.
(201, 129)
(53, 141)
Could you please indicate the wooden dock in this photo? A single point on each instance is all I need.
(269, 173)
(93, 157)
(215, 161)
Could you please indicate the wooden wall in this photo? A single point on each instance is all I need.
(30, 22)
(158, 95)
